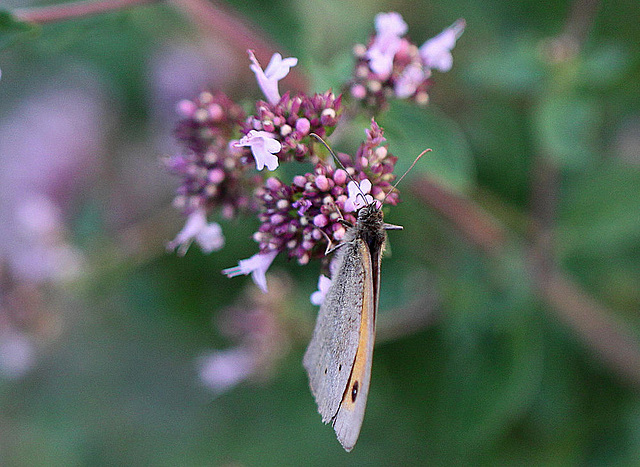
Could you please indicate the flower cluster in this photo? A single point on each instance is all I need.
(392, 66)
(257, 330)
(210, 119)
(303, 215)
(212, 170)
(215, 166)
(291, 121)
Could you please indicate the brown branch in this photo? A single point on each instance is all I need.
(478, 227)
(580, 21)
(67, 11)
(407, 320)
(217, 20)
(595, 324)
(545, 185)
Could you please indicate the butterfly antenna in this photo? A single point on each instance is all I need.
(341, 164)
(405, 174)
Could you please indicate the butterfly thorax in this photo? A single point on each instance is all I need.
(370, 226)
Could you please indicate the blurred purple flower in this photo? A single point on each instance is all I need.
(17, 354)
(393, 66)
(390, 28)
(268, 79)
(436, 52)
(63, 128)
(223, 369)
(207, 235)
(264, 148)
(42, 252)
(256, 265)
(408, 82)
(260, 337)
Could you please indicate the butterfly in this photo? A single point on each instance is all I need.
(339, 357)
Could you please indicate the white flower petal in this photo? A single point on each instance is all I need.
(324, 283)
(409, 80)
(268, 79)
(272, 145)
(365, 186)
(257, 266)
(390, 23)
(210, 238)
(262, 144)
(436, 52)
(196, 221)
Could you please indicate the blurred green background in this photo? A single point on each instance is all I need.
(487, 363)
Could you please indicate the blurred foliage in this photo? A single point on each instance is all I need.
(496, 379)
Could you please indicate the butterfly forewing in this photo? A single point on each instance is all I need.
(340, 354)
(331, 353)
(348, 420)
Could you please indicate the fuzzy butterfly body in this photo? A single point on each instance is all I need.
(338, 359)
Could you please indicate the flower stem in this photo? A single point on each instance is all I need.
(67, 11)
(216, 19)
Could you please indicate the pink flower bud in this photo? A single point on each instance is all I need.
(320, 221)
(328, 117)
(277, 219)
(273, 183)
(216, 175)
(300, 181)
(322, 183)
(340, 177)
(216, 112)
(186, 108)
(303, 126)
(358, 91)
(268, 126)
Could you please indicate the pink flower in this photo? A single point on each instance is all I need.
(263, 147)
(268, 79)
(358, 195)
(257, 266)
(408, 82)
(390, 28)
(208, 236)
(436, 52)
(324, 283)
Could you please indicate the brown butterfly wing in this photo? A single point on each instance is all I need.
(348, 419)
(332, 351)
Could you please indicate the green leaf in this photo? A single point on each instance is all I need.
(512, 68)
(11, 28)
(599, 212)
(331, 75)
(567, 129)
(603, 67)
(410, 129)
